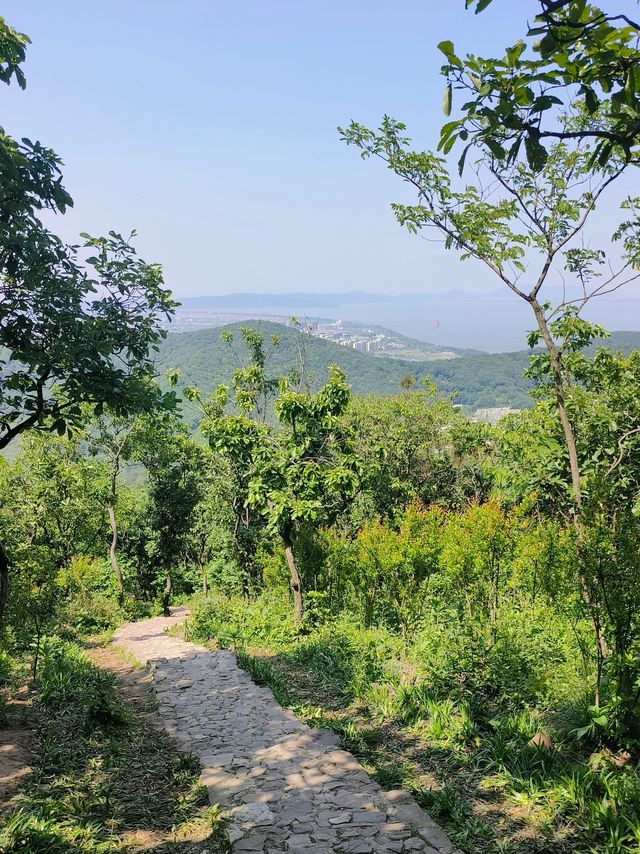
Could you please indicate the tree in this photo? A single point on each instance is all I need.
(603, 402)
(50, 501)
(525, 218)
(417, 446)
(576, 51)
(112, 437)
(176, 465)
(520, 223)
(254, 390)
(75, 327)
(302, 474)
(212, 519)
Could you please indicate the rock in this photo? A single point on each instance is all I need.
(252, 815)
(364, 817)
(356, 846)
(253, 842)
(541, 739)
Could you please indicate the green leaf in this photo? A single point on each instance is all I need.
(463, 158)
(536, 153)
(446, 100)
(447, 48)
(590, 100)
(582, 731)
(515, 52)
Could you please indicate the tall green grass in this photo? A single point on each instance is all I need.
(438, 708)
(99, 771)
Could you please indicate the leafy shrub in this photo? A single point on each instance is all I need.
(68, 678)
(529, 655)
(7, 668)
(232, 622)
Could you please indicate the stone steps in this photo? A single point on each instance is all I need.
(284, 786)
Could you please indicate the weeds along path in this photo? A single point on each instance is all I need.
(284, 786)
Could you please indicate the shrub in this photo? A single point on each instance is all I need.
(232, 622)
(67, 678)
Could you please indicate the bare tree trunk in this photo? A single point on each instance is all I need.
(4, 580)
(558, 384)
(295, 580)
(602, 649)
(111, 511)
(166, 599)
(205, 581)
(112, 550)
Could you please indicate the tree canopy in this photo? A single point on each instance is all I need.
(77, 325)
(571, 51)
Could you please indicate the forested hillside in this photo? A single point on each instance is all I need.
(455, 603)
(484, 380)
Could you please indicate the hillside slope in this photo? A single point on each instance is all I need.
(481, 380)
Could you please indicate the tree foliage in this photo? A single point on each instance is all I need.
(76, 326)
(572, 51)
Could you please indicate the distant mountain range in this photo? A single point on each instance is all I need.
(336, 299)
(479, 380)
(494, 321)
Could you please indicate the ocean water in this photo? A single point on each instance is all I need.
(493, 325)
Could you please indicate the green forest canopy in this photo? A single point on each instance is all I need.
(483, 380)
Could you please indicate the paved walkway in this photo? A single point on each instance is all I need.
(285, 787)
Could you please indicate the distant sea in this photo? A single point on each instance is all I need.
(450, 319)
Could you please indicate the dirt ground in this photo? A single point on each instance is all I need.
(16, 746)
(143, 829)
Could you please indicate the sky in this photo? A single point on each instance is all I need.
(210, 128)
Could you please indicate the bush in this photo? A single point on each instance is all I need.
(7, 668)
(529, 656)
(232, 622)
(68, 679)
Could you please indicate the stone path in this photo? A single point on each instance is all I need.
(285, 787)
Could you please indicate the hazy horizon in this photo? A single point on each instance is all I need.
(495, 322)
(212, 131)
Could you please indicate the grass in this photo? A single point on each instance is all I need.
(103, 779)
(477, 775)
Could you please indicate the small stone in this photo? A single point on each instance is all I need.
(356, 846)
(341, 818)
(541, 739)
(363, 817)
(436, 838)
(396, 830)
(254, 842)
(252, 815)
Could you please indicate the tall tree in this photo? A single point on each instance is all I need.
(253, 392)
(525, 217)
(176, 466)
(76, 325)
(113, 438)
(302, 474)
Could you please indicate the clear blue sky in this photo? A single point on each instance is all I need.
(210, 127)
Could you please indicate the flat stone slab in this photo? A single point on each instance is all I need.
(283, 786)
